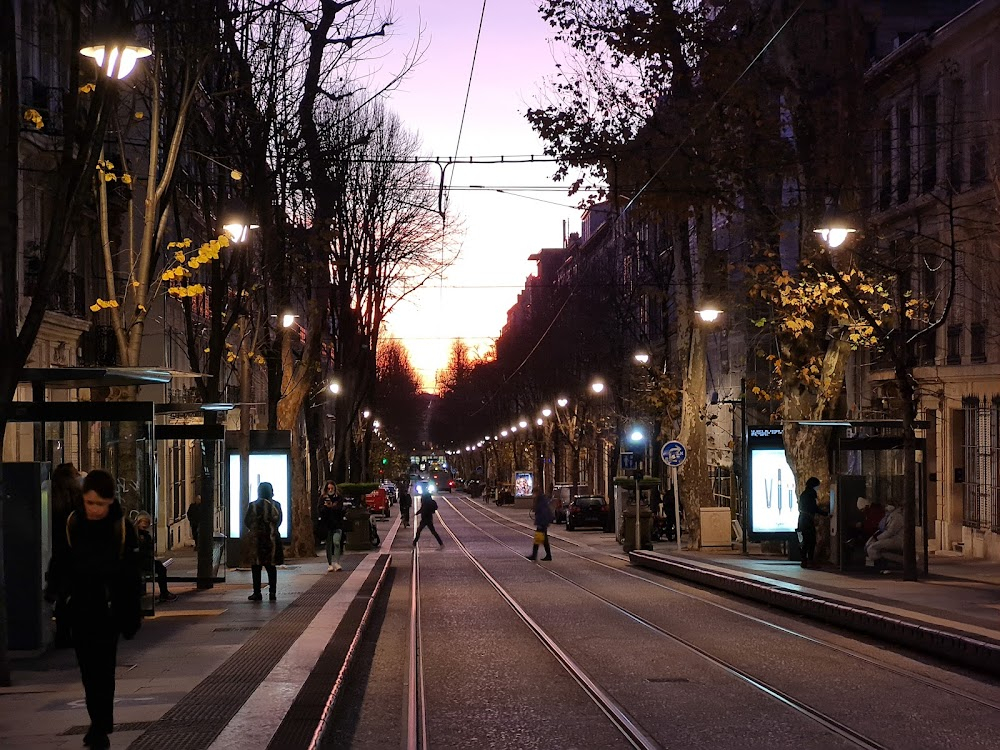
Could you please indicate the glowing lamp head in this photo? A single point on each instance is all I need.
(546, 412)
(334, 388)
(116, 60)
(503, 433)
(641, 357)
(287, 320)
(522, 424)
(834, 237)
(709, 313)
(366, 414)
(636, 436)
(539, 421)
(597, 387)
(562, 402)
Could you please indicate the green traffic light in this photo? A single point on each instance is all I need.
(385, 461)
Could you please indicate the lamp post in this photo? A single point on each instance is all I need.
(637, 436)
(116, 59)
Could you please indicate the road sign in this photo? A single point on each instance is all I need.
(673, 453)
(626, 461)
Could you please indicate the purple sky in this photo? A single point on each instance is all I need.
(501, 230)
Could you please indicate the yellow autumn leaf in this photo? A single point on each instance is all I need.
(108, 177)
(127, 179)
(886, 307)
(193, 263)
(259, 360)
(139, 115)
(87, 88)
(230, 358)
(179, 256)
(167, 276)
(224, 240)
(207, 350)
(113, 303)
(95, 308)
(236, 175)
(142, 308)
(135, 283)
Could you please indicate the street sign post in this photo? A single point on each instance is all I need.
(673, 454)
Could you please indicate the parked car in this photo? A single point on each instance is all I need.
(587, 510)
(390, 491)
(378, 502)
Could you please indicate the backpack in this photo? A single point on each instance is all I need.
(119, 530)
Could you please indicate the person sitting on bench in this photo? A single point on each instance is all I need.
(887, 540)
(147, 557)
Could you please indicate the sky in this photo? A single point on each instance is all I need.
(500, 229)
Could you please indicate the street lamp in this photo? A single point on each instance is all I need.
(115, 59)
(366, 414)
(834, 229)
(597, 386)
(546, 412)
(522, 424)
(288, 320)
(709, 311)
(562, 401)
(334, 388)
(641, 357)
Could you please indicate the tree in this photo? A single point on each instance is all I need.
(398, 394)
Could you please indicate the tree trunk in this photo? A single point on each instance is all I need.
(693, 473)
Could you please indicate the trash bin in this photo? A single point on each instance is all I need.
(358, 531)
(628, 529)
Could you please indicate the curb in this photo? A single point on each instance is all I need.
(966, 650)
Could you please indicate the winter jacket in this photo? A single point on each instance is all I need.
(331, 518)
(262, 521)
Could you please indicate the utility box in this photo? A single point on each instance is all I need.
(26, 525)
(716, 527)
(645, 529)
(359, 536)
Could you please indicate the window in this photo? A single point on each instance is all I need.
(981, 501)
(929, 124)
(956, 170)
(978, 342)
(905, 137)
(954, 345)
(885, 166)
(979, 148)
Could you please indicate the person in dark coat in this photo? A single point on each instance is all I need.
(262, 522)
(331, 520)
(66, 497)
(194, 518)
(147, 556)
(95, 567)
(405, 503)
(428, 507)
(808, 510)
(543, 518)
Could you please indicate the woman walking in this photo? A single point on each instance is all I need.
(543, 517)
(331, 519)
(262, 521)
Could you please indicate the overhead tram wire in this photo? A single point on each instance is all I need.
(614, 219)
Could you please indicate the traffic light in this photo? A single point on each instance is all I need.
(385, 461)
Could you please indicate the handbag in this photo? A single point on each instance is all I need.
(539, 537)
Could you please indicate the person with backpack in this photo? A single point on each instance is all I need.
(95, 567)
(428, 507)
(266, 551)
(405, 503)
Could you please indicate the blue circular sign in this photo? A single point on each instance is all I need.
(673, 453)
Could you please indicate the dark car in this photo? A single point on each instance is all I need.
(586, 510)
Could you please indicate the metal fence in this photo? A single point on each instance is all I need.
(981, 501)
(724, 486)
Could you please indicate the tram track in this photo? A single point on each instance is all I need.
(826, 721)
(630, 729)
(688, 592)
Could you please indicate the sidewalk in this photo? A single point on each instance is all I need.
(953, 614)
(181, 649)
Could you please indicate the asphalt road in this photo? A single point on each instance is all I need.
(693, 669)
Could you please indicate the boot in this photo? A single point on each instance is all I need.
(534, 553)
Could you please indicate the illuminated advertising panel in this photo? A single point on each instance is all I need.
(773, 500)
(264, 467)
(524, 484)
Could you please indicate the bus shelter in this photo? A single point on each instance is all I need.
(122, 437)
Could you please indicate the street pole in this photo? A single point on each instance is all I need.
(744, 488)
(637, 474)
(675, 482)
